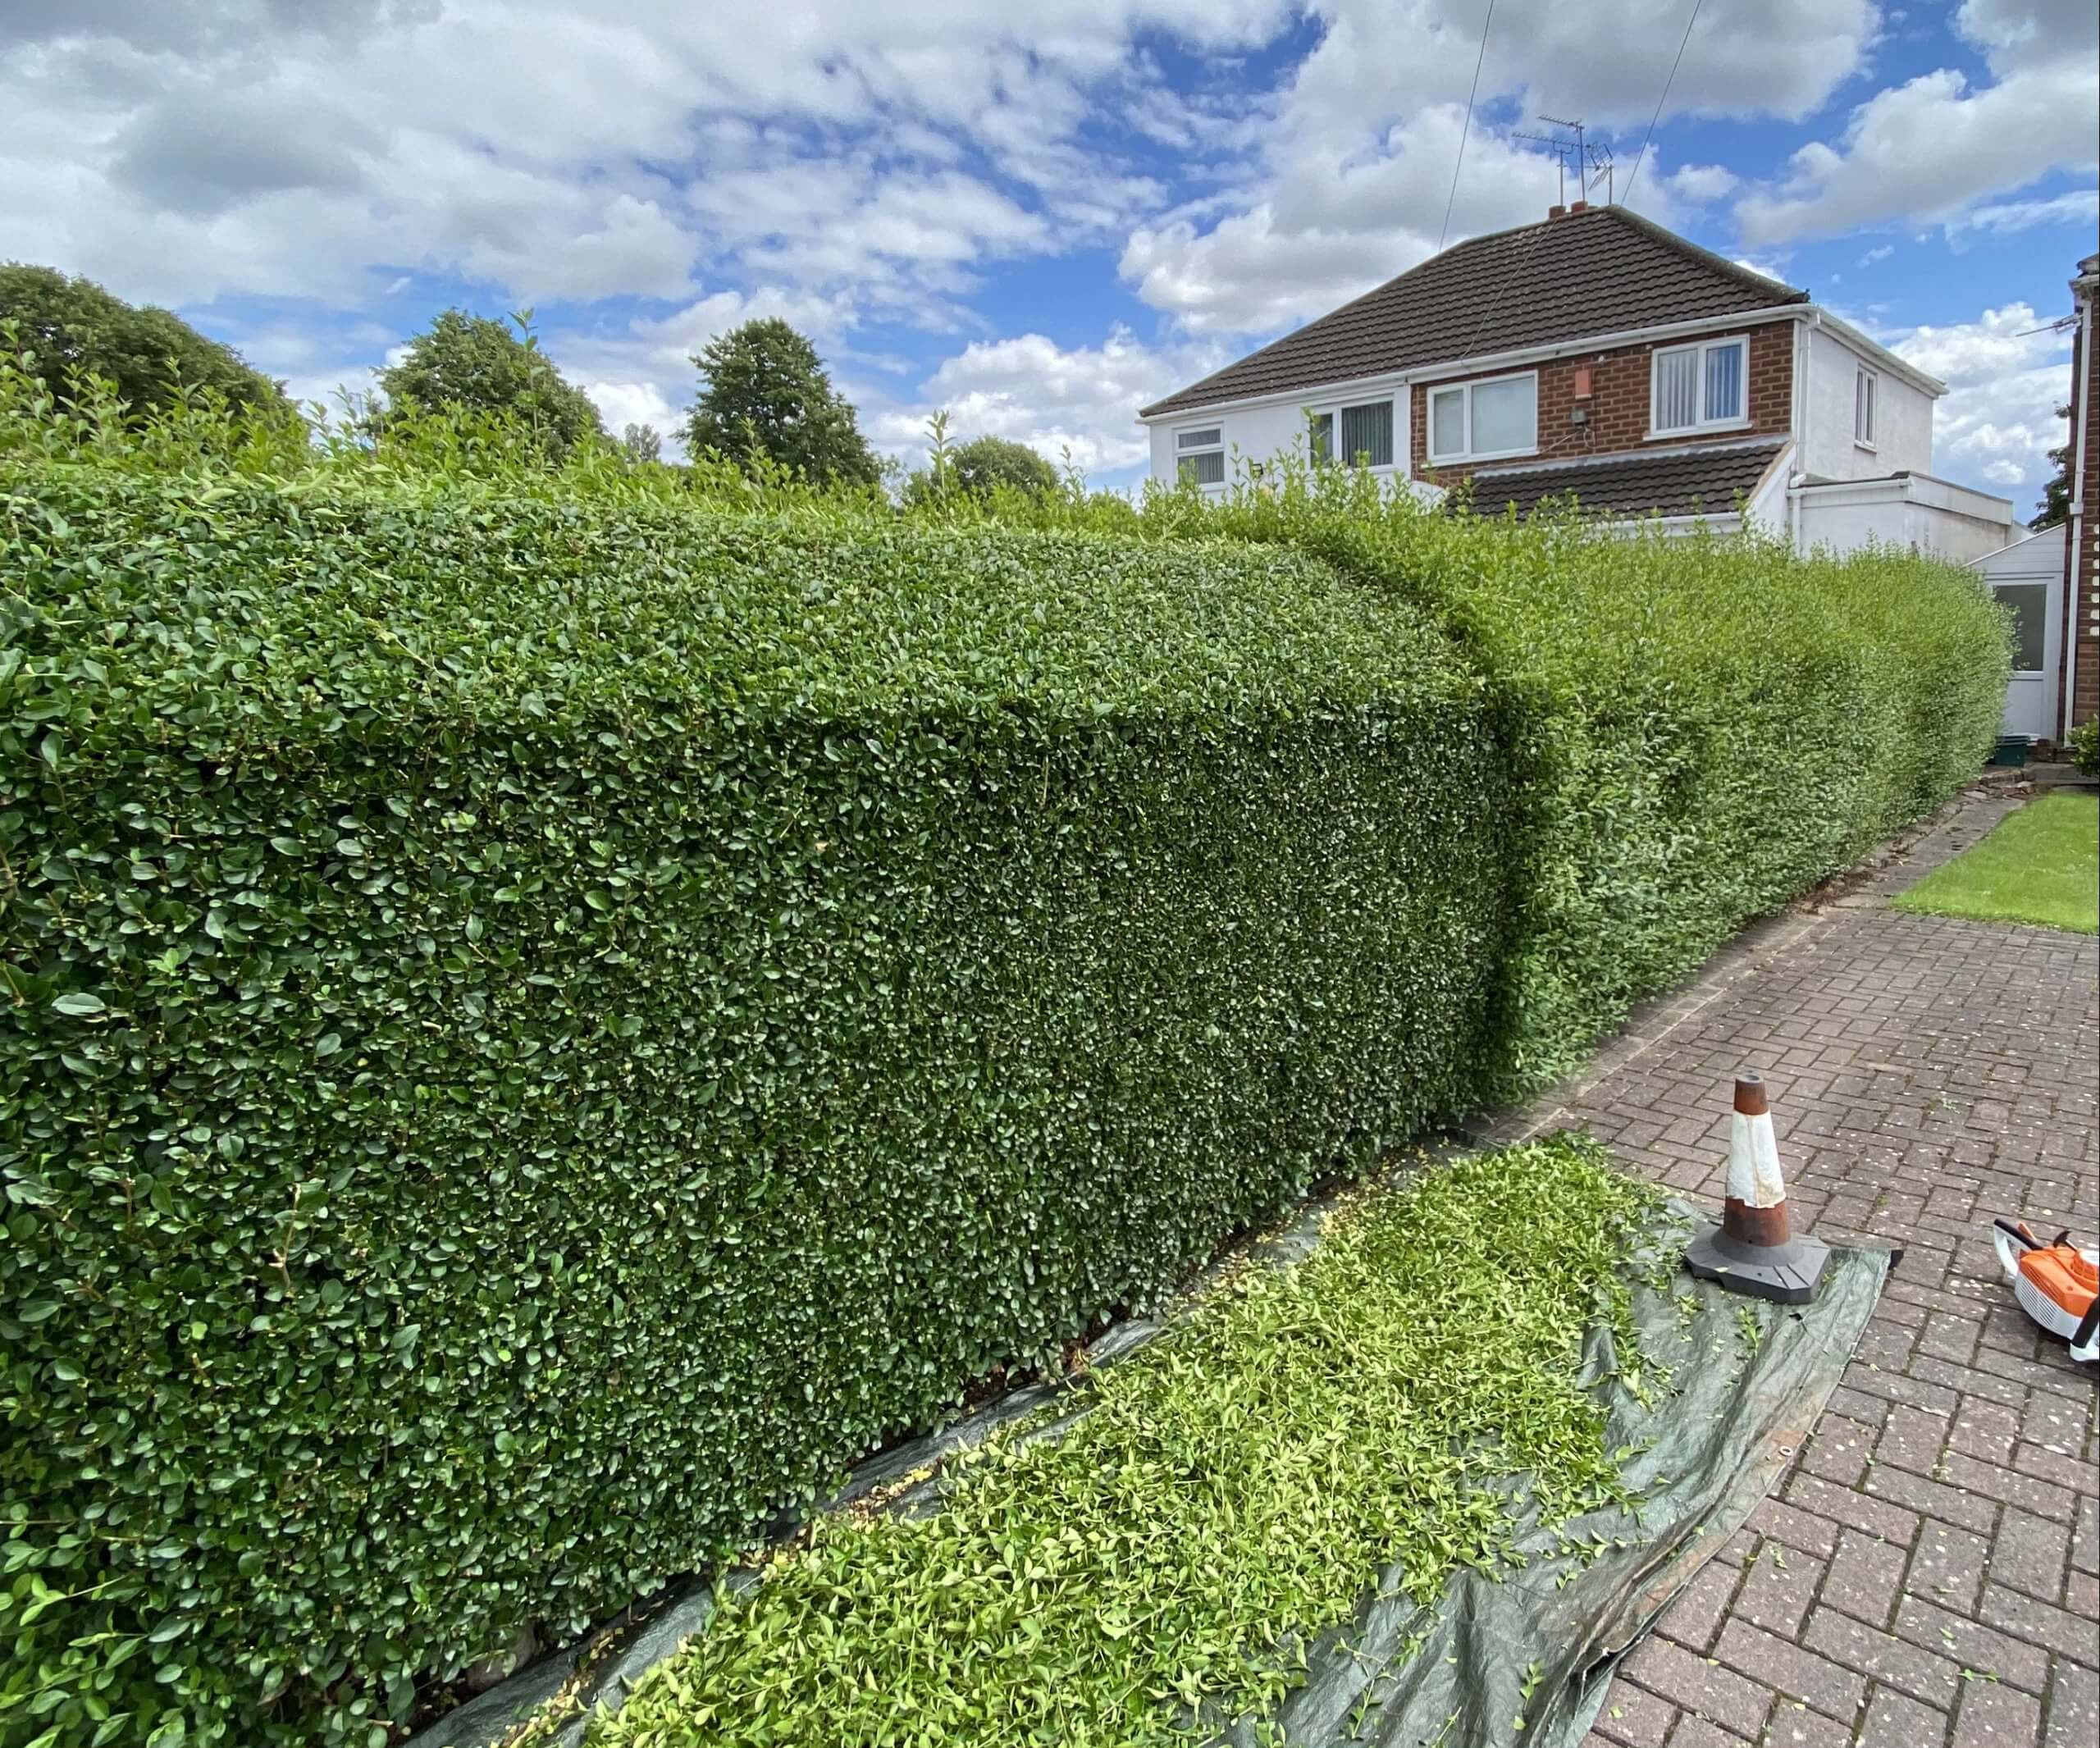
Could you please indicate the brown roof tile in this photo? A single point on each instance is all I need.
(1599, 272)
(1678, 482)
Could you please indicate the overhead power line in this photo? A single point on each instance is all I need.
(1643, 152)
(1467, 127)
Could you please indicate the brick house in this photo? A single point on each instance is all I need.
(2080, 666)
(1598, 357)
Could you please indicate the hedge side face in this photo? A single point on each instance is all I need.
(535, 1033)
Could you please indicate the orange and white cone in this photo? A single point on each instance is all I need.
(1753, 1250)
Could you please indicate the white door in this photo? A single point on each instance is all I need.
(2036, 601)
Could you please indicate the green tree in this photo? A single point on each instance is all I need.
(766, 395)
(481, 364)
(985, 461)
(2055, 507)
(74, 328)
(642, 443)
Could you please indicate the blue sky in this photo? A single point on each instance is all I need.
(1037, 217)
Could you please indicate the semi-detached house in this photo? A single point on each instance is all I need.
(1597, 357)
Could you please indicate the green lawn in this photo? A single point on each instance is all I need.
(2040, 865)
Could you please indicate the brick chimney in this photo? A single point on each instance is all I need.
(1553, 213)
(1578, 206)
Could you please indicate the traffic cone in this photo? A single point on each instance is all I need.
(1753, 1251)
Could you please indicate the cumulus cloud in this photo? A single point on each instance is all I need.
(1347, 185)
(1930, 149)
(1080, 401)
(2007, 373)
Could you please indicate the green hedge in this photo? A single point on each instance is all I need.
(537, 1030)
(1707, 726)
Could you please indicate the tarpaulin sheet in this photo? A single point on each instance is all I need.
(1519, 1659)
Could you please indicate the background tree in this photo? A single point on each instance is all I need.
(2055, 507)
(765, 393)
(985, 461)
(74, 328)
(481, 364)
(642, 443)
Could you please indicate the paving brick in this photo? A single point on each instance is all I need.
(1947, 1568)
(1979, 1650)
(1795, 1726)
(1634, 1717)
(2074, 1707)
(1838, 1450)
(1801, 1674)
(1894, 1720)
(1932, 1499)
(1996, 1481)
(1692, 1684)
(1777, 1521)
(1912, 1439)
(2039, 1621)
(1986, 1430)
(1892, 1662)
(1866, 1577)
(1694, 1617)
(1778, 1589)
(1698, 1733)
(2028, 1553)
(1992, 1715)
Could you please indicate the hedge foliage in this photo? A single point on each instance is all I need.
(549, 1008)
(536, 1030)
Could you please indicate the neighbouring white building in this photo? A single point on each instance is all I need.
(1599, 357)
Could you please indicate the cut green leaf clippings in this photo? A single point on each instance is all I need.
(1229, 1493)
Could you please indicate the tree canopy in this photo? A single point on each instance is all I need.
(766, 394)
(985, 461)
(2055, 507)
(74, 328)
(474, 362)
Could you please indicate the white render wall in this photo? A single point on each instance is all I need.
(1903, 419)
(1919, 512)
(1274, 429)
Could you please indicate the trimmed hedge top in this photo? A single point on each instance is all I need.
(538, 1032)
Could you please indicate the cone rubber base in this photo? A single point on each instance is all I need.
(1788, 1274)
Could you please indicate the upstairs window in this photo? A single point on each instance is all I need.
(1865, 387)
(1201, 454)
(1699, 387)
(1483, 421)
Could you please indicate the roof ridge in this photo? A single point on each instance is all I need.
(1347, 339)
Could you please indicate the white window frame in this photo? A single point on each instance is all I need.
(1332, 411)
(1437, 458)
(1866, 397)
(1739, 421)
(1210, 440)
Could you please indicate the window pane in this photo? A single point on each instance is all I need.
(1205, 470)
(2030, 602)
(1505, 416)
(1201, 440)
(1863, 409)
(1447, 422)
(1676, 390)
(1724, 382)
(1368, 434)
(1320, 435)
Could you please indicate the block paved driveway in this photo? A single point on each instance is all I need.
(1924, 1573)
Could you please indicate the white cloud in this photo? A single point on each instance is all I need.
(1347, 185)
(1083, 400)
(2080, 207)
(1879, 252)
(1930, 149)
(1698, 184)
(2007, 373)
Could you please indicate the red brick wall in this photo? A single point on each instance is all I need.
(1618, 402)
(2081, 600)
